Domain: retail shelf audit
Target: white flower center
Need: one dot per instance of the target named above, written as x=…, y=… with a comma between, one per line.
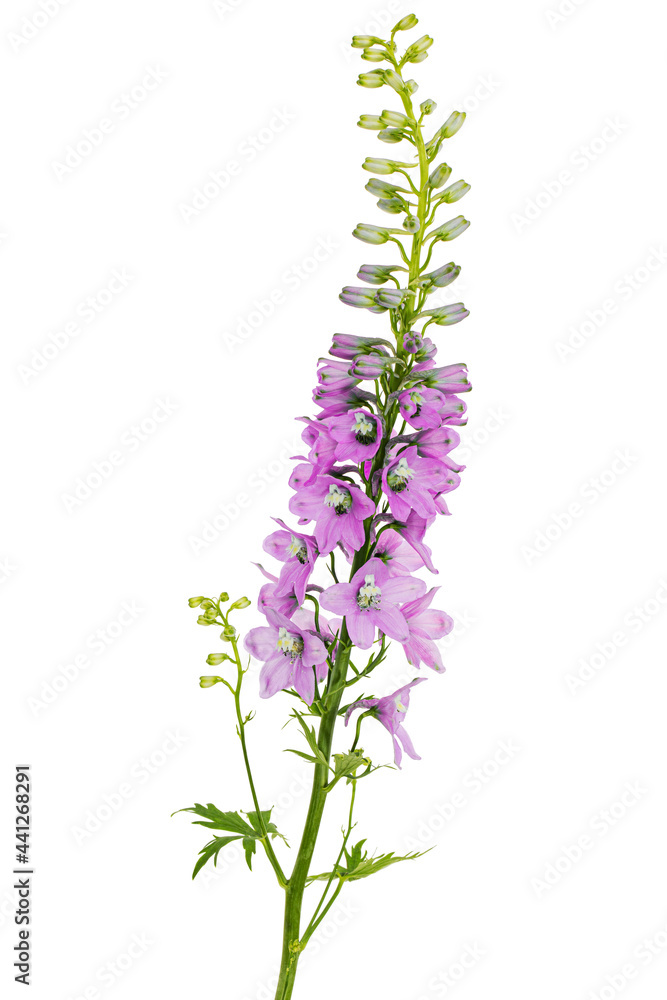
x=339, y=498
x=364, y=429
x=400, y=475
x=298, y=550
x=369, y=596
x=288, y=644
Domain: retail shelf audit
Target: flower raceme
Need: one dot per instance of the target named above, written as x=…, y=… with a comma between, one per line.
x=377, y=467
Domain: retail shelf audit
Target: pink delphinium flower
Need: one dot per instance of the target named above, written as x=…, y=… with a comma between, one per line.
x=390, y=711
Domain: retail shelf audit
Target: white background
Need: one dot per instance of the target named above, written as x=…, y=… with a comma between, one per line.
x=554, y=556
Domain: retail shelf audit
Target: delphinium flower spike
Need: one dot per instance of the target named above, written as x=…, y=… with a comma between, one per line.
x=375, y=474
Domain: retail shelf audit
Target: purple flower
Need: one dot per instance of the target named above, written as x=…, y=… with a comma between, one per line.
x=299, y=553
x=420, y=407
x=338, y=509
x=287, y=604
x=437, y=443
x=361, y=298
x=357, y=435
x=370, y=601
x=425, y=625
x=334, y=373
x=390, y=711
x=289, y=654
x=411, y=483
x=322, y=445
x=397, y=554
x=413, y=531
x=371, y=366
x=334, y=401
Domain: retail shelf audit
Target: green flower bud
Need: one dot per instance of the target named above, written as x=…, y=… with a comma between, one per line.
x=373, y=55
x=439, y=176
x=417, y=52
x=393, y=80
x=392, y=205
x=411, y=224
x=394, y=119
x=228, y=633
x=194, y=602
x=453, y=124
x=224, y=596
x=450, y=230
x=391, y=135
x=242, y=603
x=373, y=79
x=208, y=682
x=454, y=192
x=371, y=122
x=364, y=41
x=370, y=234
x=381, y=189
x=215, y=659
x=410, y=21
x=427, y=107
x=411, y=86
x=378, y=166
x=203, y=621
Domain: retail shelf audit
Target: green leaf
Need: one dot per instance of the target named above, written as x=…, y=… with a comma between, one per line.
x=211, y=850
x=306, y=756
x=347, y=763
x=359, y=865
x=311, y=738
x=270, y=827
x=250, y=846
x=218, y=820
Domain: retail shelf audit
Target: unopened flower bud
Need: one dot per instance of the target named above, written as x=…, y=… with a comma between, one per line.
x=224, y=596
x=411, y=224
x=215, y=659
x=370, y=234
x=395, y=118
x=391, y=135
x=374, y=55
x=417, y=52
x=373, y=79
x=453, y=124
x=364, y=41
x=208, y=682
x=447, y=315
x=454, y=192
x=450, y=230
x=391, y=205
x=202, y=620
x=228, y=633
x=439, y=176
x=194, y=602
x=407, y=22
x=391, y=298
x=360, y=298
x=444, y=275
x=393, y=80
x=371, y=122
x=239, y=605
x=379, y=166
x=411, y=86
x=376, y=274
x=427, y=107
